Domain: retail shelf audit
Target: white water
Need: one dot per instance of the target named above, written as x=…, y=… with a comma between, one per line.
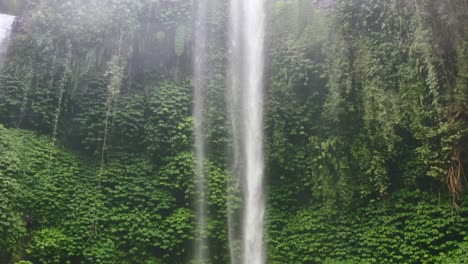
x=247, y=32
x=253, y=38
x=6, y=23
x=201, y=247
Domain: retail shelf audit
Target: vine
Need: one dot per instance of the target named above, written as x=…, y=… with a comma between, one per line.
x=455, y=178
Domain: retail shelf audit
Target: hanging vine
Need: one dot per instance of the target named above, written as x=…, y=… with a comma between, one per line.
x=62, y=86
x=455, y=178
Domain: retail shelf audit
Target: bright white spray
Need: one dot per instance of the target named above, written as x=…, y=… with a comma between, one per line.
x=247, y=33
x=6, y=24
x=201, y=247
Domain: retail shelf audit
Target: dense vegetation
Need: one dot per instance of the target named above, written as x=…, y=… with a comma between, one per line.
x=366, y=127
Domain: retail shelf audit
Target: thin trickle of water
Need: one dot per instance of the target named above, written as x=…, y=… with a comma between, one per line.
x=233, y=107
x=247, y=32
x=62, y=85
x=201, y=247
x=6, y=24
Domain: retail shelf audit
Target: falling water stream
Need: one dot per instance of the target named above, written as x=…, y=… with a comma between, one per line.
x=245, y=108
x=6, y=24
x=233, y=107
x=252, y=107
x=201, y=247
x=246, y=35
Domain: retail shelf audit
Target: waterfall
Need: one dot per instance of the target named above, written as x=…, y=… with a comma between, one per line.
x=245, y=106
x=233, y=107
x=246, y=40
x=6, y=23
x=201, y=247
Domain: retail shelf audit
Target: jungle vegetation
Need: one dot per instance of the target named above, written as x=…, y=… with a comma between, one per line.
x=366, y=132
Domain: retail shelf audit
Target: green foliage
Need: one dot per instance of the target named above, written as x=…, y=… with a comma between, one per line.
x=51, y=198
x=92, y=116
x=145, y=204
x=365, y=112
x=177, y=175
x=169, y=125
x=180, y=36
x=49, y=246
x=129, y=120
x=409, y=227
x=383, y=122
x=24, y=262
x=12, y=227
x=217, y=201
x=12, y=95
x=459, y=255
x=100, y=251
x=178, y=230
